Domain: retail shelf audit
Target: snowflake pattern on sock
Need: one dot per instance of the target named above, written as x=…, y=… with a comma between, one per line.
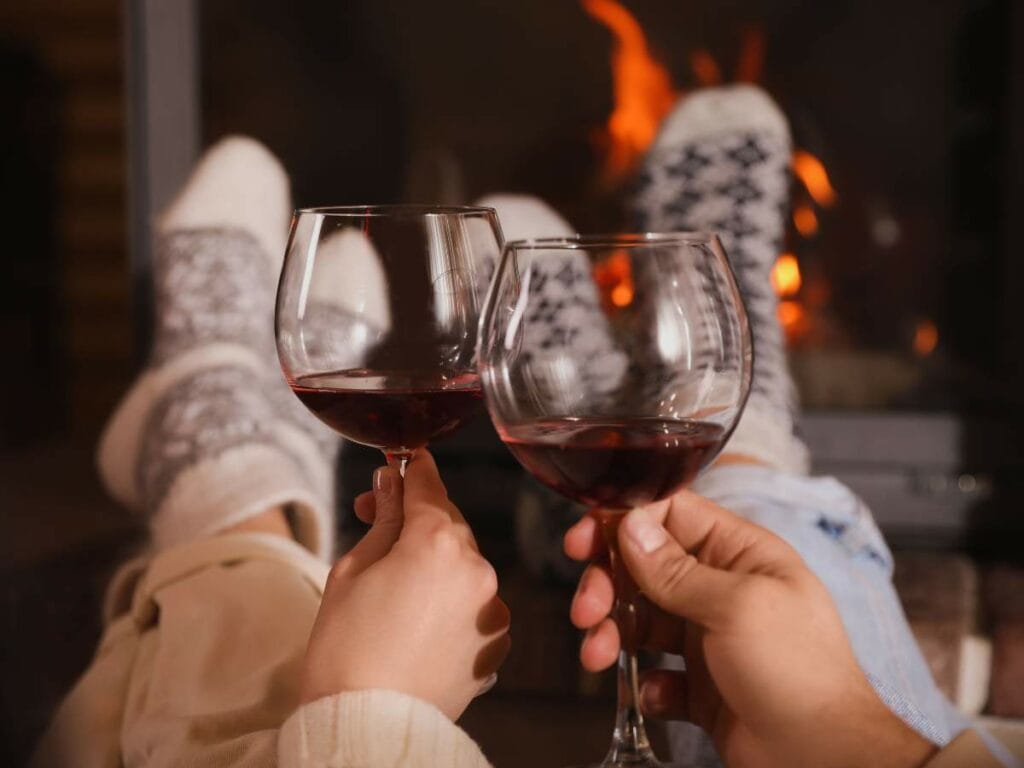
x=212, y=285
x=566, y=331
x=218, y=285
x=201, y=418
x=736, y=185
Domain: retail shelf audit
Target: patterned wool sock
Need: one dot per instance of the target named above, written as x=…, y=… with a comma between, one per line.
x=565, y=309
x=208, y=435
x=567, y=315
x=721, y=163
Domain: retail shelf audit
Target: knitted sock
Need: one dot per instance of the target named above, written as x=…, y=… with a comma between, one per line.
x=720, y=163
x=208, y=435
x=565, y=307
x=567, y=314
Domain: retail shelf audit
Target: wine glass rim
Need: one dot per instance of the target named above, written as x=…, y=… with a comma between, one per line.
x=395, y=209
x=627, y=240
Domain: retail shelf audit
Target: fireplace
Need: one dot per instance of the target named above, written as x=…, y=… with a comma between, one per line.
x=899, y=278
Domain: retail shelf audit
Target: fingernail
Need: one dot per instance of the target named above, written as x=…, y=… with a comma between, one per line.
x=643, y=532
x=382, y=481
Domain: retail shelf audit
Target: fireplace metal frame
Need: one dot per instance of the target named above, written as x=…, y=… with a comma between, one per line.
x=907, y=467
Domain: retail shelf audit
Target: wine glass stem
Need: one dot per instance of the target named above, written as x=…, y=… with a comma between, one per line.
x=401, y=458
x=629, y=741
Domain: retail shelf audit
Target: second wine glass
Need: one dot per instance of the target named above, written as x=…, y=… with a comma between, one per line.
x=377, y=315
x=614, y=369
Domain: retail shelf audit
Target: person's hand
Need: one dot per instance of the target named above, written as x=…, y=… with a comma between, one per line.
x=413, y=607
x=770, y=674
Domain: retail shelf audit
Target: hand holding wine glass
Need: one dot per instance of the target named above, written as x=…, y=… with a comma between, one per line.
x=770, y=673
x=615, y=368
x=413, y=607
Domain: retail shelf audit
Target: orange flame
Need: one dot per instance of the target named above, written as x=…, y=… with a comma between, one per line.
x=614, y=276
x=785, y=275
x=805, y=220
x=622, y=295
x=811, y=171
x=752, y=53
x=642, y=86
x=926, y=338
x=705, y=68
x=793, y=319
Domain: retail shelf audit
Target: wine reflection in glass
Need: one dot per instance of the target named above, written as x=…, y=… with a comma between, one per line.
x=377, y=315
x=614, y=369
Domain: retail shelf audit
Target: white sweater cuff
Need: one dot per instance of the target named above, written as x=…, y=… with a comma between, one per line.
x=374, y=729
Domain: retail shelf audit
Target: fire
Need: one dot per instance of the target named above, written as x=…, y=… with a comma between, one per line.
x=811, y=171
x=643, y=96
x=705, y=68
x=785, y=276
x=793, y=319
x=751, y=61
x=622, y=295
x=614, y=276
x=926, y=338
x=642, y=86
x=805, y=220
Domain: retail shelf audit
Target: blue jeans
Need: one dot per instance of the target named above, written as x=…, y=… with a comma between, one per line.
x=836, y=535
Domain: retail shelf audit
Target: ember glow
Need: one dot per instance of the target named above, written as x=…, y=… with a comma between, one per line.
x=812, y=174
x=926, y=338
x=642, y=88
x=751, y=61
x=805, y=220
x=785, y=276
x=614, y=278
x=705, y=68
x=793, y=319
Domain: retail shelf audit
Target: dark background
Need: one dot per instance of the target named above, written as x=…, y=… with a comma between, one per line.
x=915, y=106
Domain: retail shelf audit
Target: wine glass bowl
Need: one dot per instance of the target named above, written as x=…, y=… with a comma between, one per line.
x=614, y=369
x=615, y=392
x=377, y=315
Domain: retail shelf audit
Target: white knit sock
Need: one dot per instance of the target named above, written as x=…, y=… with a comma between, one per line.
x=565, y=307
x=569, y=314
x=208, y=436
x=720, y=163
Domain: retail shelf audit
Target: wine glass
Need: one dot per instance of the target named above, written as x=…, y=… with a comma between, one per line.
x=377, y=315
x=614, y=369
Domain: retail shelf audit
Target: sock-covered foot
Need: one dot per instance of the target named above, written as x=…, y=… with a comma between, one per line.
x=568, y=314
x=205, y=438
x=564, y=311
x=721, y=163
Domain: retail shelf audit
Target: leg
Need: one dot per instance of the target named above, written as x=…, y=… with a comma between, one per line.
x=574, y=320
x=721, y=163
x=203, y=668
x=209, y=437
x=199, y=661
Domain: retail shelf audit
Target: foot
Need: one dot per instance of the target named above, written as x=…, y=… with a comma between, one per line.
x=720, y=163
x=200, y=444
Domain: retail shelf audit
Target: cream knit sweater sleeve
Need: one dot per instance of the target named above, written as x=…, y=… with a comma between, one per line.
x=374, y=729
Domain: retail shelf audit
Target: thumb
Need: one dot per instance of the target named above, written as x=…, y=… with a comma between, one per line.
x=387, y=522
x=668, y=575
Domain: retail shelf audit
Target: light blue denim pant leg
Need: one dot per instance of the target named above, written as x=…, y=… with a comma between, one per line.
x=836, y=535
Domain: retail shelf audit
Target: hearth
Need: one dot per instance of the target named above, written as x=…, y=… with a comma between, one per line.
x=901, y=270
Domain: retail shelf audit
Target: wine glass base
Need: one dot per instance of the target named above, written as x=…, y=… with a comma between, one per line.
x=647, y=760
x=634, y=763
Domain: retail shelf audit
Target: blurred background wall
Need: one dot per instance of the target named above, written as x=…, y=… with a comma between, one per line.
x=64, y=216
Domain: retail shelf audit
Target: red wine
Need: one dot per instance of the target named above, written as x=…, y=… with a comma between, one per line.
x=394, y=411
x=615, y=463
